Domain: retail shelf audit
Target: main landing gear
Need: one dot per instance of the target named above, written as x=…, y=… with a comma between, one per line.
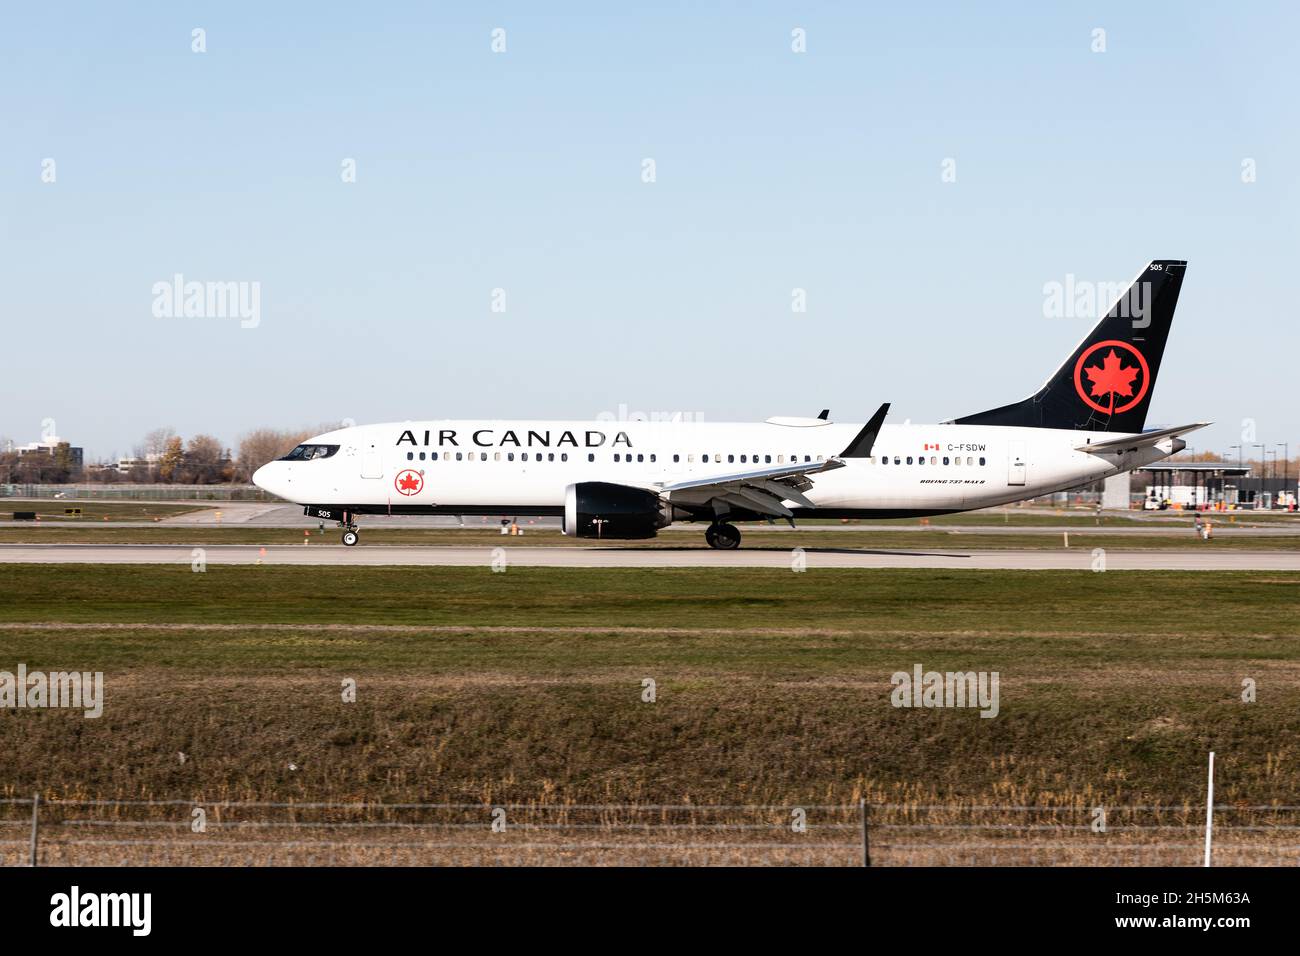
x=723, y=536
x=350, y=537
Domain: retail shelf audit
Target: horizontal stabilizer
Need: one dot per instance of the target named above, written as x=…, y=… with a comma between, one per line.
x=1144, y=440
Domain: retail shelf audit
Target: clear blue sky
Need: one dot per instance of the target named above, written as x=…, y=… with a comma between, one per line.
x=522, y=171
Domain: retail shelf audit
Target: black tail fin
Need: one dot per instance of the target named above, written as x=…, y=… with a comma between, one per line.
x=1106, y=384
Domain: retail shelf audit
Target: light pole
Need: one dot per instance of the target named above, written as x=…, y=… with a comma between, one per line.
x=1263, y=465
x=1286, y=461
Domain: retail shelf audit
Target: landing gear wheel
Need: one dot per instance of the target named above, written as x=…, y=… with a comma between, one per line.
x=724, y=537
x=349, y=538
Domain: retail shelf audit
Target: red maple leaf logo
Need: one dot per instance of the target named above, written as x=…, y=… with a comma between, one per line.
x=1112, y=377
x=408, y=482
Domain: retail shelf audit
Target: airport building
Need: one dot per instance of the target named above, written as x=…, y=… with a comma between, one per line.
x=51, y=448
x=1216, y=485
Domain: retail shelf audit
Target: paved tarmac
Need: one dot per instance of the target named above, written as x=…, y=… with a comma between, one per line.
x=335, y=555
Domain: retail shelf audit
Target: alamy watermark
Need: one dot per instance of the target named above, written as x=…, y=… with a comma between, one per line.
x=37, y=690
x=181, y=299
x=1084, y=299
x=922, y=688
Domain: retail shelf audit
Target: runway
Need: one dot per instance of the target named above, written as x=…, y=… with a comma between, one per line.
x=507, y=556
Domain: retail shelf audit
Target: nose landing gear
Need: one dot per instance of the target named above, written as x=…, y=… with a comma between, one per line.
x=349, y=530
x=722, y=536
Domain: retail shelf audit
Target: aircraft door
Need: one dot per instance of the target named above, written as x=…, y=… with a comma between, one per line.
x=1016, y=464
x=372, y=465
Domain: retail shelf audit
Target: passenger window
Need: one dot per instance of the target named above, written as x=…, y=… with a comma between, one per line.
x=652, y=456
x=510, y=456
x=742, y=459
x=731, y=458
x=896, y=460
x=704, y=459
x=591, y=456
x=819, y=458
x=970, y=461
x=691, y=458
x=446, y=456
x=564, y=456
x=933, y=460
x=410, y=456
x=909, y=459
x=921, y=460
x=981, y=461
x=496, y=456
x=458, y=456
x=616, y=458
x=640, y=457
x=767, y=459
x=780, y=459
x=945, y=459
x=884, y=460
x=550, y=456
x=677, y=458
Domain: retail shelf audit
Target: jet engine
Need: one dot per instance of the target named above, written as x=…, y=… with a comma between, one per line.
x=599, y=509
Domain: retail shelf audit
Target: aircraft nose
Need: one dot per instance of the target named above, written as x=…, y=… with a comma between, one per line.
x=270, y=477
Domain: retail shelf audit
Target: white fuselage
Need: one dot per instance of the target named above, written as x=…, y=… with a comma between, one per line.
x=523, y=467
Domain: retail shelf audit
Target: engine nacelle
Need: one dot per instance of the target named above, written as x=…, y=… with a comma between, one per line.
x=599, y=509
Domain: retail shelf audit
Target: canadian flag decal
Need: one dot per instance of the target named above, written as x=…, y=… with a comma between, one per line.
x=934, y=447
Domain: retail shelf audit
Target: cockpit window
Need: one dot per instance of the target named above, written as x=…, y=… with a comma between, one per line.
x=308, y=452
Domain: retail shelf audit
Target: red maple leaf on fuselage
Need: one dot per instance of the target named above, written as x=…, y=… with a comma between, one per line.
x=1112, y=377
x=408, y=483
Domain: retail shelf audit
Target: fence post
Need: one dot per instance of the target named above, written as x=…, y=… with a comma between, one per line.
x=866, y=844
x=1209, y=810
x=36, y=804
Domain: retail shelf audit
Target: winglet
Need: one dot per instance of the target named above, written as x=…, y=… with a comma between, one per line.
x=860, y=447
x=826, y=414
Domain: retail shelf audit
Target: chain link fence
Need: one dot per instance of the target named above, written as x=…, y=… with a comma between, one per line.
x=133, y=492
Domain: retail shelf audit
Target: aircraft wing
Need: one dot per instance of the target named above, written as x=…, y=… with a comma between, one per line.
x=1144, y=440
x=763, y=489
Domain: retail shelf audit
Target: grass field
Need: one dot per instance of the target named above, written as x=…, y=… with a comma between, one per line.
x=772, y=689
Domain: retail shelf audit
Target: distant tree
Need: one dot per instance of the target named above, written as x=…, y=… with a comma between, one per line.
x=203, y=461
x=263, y=445
x=64, y=467
x=151, y=450
x=157, y=441
x=172, y=460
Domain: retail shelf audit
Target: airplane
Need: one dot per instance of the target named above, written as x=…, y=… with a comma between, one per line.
x=628, y=480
